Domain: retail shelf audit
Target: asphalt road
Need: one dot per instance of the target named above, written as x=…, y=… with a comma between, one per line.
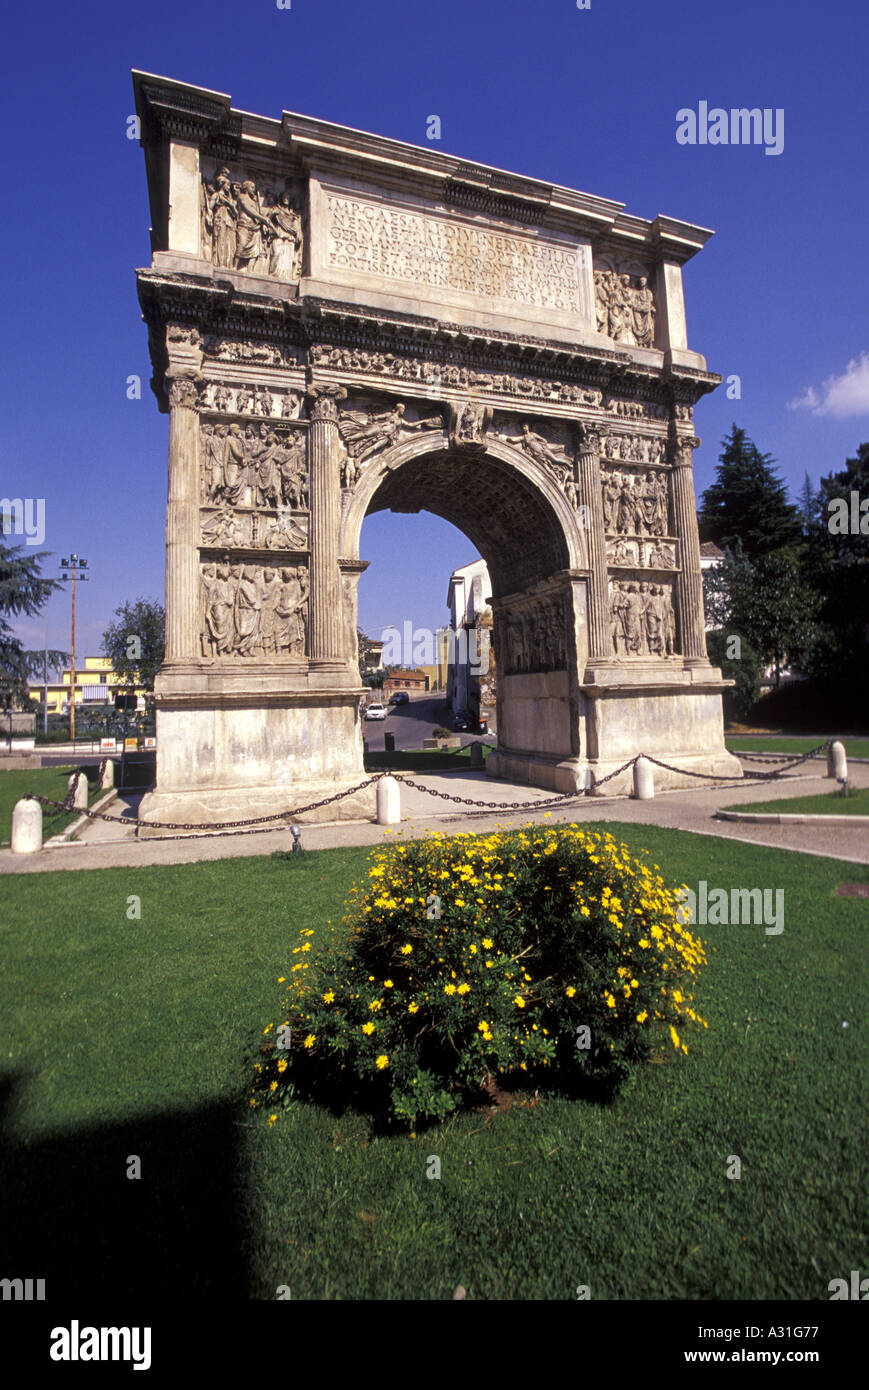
x=413, y=722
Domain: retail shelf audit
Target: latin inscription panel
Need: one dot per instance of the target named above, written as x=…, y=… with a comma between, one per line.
x=453, y=256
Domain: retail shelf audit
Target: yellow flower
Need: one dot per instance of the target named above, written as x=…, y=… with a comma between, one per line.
x=449, y=989
x=329, y=997
x=675, y=1037
x=387, y=984
x=406, y=949
x=272, y=1119
x=412, y=1008
x=281, y=979
x=463, y=989
x=282, y=1064
x=382, y=1061
x=375, y=1005
x=487, y=943
x=368, y=1027
x=641, y=1017
x=611, y=1003
x=310, y=1040
x=570, y=991
x=519, y=1002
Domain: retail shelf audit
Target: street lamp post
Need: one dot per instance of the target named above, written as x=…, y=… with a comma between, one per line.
x=72, y=568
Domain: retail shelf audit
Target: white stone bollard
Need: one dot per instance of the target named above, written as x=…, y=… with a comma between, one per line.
x=837, y=762
x=388, y=801
x=78, y=785
x=26, y=827
x=107, y=775
x=644, y=780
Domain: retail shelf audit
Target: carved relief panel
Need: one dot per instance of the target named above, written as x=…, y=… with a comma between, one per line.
x=368, y=429
x=624, y=303
x=532, y=636
x=259, y=466
x=248, y=224
x=642, y=618
x=635, y=503
x=253, y=611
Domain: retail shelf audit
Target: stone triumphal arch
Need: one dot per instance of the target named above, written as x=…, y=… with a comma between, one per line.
x=339, y=324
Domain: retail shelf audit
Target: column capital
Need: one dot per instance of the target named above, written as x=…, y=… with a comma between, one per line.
x=588, y=438
x=324, y=401
x=183, y=391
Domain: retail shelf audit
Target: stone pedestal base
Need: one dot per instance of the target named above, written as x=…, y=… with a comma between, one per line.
x=202, y=809
x=234, y=744
x=666, y=710
x=560, y=775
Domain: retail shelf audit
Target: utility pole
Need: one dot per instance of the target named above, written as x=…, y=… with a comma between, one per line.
x=74, y=565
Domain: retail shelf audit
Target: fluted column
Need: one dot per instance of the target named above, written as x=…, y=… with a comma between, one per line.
x=599, y=639
x=689, y=581
x=182, y=523
x=326, y=597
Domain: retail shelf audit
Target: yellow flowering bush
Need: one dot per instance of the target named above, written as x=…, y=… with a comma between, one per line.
x=525, y=956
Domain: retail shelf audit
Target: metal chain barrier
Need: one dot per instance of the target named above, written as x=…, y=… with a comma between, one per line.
x=258, y=825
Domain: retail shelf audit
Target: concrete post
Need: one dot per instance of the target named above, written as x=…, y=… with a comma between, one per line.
x=477, y=759
x=837, y=762
x=388, y=801
x=644, y=780
x=26, y=826
x=107, y=775
x=78, y=785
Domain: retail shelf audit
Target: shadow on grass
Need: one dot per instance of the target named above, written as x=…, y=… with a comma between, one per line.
x=71, y=1215
x=337, y=1090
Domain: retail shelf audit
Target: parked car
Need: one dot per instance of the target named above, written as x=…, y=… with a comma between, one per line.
x=400, y=697
x=462, y=724
x=376, y=711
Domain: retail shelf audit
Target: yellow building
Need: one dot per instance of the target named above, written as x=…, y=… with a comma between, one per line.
x=96, y=684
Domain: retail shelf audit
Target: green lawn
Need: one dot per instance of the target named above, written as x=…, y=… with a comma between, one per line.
x=825, y=804
x=739, y=743
x=44, y=781
x=125, y=1037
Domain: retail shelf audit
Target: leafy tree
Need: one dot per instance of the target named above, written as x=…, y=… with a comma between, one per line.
x=808, y=503
x=766, y=602
x=739, y=663
x=23, y=592
x=747, y=502
x=838, y=567
x=136, y=642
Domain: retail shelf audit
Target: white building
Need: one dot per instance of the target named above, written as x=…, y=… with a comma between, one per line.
x=467, y=600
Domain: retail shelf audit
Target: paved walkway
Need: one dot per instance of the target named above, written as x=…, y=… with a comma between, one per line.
x=108, y=845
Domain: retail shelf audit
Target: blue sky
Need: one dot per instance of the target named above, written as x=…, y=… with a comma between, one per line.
x=586, y=98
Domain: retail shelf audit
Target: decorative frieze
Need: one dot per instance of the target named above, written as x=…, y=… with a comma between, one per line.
x=249, y=399
x=639, y=554
x=634, y=448
x=227, y=529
